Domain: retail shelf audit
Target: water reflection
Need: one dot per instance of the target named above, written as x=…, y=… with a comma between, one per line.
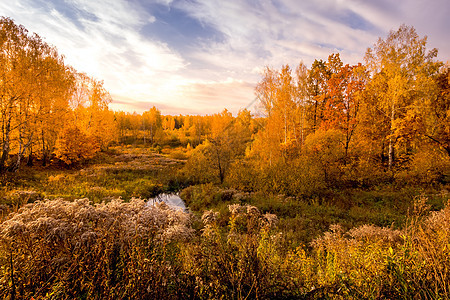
x=173, y=200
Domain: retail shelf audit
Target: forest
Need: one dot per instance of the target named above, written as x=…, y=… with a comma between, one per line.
x=337, y=189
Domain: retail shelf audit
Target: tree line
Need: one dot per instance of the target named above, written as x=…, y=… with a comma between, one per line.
x=337, y=124
x=331, y=121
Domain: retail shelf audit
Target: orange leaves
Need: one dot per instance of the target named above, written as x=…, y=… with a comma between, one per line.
x=34, y=89
x=342, y=104
x=74, y=146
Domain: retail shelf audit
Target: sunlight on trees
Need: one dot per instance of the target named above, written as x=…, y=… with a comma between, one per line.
x=34, y=89
x=332, y=134
x=335, y=116
x=402, y=72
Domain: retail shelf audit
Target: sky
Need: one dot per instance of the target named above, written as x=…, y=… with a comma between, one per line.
x=201, y=56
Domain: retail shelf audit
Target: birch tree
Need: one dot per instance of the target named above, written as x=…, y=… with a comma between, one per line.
x=400, y=67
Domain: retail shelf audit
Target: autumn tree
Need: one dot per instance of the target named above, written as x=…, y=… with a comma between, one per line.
x=341, y=109
x=401, y=70
x=317, y=85
x=301, y=93
x=91, y=116
x=34, y=88
x=278, y=94
x=151, y=124
x=123, y=124
x=323, y=147
x=74, y=146
x=168, y=123
x=225, y=144
x=434, y=120
x=197, y=128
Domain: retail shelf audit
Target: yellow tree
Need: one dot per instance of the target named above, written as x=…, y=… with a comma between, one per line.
x=151, y=124
x=434, y=120
x=401, y=70
x=301, y=91
x=317, y=85
x=52, y=106
x=266, y=90
x=32, y=78
x=197, y=128
x=168, y=123
x=223, y=143
x=278, y=95
x=74, y=146
x=90, y=116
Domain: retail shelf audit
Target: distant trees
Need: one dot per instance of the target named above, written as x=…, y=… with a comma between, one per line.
x=225, y=144
x=348, y=119
x=151, y=124
x=334, y=123
x=146, y=128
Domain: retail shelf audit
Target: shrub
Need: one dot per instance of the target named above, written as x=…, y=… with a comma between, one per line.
x=241, y=262
x=74, y=146
x=201, y=197
x=427, y=167
x=178, y=154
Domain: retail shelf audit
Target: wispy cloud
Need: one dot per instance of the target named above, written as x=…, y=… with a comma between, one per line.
x=203, y=55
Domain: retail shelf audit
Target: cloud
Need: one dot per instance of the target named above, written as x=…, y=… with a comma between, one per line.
x=278, y=32
x=131, y=105
x=213, y=96
x=200, y=56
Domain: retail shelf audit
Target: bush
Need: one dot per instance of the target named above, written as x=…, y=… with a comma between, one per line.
x=429, y=166
x=74, y=146
x=178, y=154
x=201, y=197
x=241, y=262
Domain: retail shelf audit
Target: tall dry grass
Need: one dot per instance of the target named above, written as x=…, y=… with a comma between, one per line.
x=59, y=249
x=118, y=250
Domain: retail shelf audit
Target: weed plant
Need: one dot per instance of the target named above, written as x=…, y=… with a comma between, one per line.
x=117, y=250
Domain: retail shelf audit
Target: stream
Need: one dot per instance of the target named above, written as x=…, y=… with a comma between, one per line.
x=173, y=200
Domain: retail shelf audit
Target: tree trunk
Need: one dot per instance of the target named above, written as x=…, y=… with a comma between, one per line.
x=16, y=166
x=30, y=158
x=391, y=142
x=302, y=139
x=219, y=165
x=44, y=151
x=315, y=116
x=5, y=146
x=285, y=126
x=22, y=150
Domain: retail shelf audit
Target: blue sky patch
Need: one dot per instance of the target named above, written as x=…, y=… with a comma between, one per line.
x=68, y=10
x=176, y=28
x=355, y=21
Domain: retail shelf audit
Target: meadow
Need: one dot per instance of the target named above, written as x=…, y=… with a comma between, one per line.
x=87, y=233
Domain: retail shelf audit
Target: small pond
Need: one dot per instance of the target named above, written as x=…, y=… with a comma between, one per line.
x=173, y=200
